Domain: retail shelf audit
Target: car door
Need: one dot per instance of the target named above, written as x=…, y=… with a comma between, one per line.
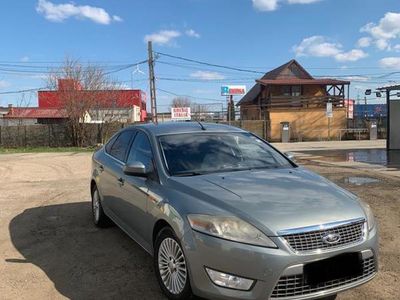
x=135, y=189
x=112, y=172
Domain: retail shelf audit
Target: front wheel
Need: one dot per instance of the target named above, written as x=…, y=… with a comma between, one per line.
x=171, y=266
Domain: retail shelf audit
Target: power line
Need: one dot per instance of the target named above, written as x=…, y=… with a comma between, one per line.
x=21, y=91
x=209, y=64
x=188, y=96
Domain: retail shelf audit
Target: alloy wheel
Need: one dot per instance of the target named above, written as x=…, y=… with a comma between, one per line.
x=172, y=266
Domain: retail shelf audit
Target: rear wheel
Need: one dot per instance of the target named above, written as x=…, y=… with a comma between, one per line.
x=99, y=217
x=171, y=266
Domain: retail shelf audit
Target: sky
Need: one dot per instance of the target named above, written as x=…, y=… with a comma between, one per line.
x=357, y=40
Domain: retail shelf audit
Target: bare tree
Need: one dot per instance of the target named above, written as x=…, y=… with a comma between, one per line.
x=181, y=102
x=84, y=90
x=199, y=112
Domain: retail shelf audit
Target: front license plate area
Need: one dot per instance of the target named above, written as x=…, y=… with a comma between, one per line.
x=340, y=266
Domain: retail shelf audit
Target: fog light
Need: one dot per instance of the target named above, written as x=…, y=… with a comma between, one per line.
x=229, y=280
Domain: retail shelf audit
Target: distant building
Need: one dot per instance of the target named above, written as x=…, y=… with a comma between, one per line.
x=111, y=105
x=290, y=94
x=3, y=112
x=33, y=115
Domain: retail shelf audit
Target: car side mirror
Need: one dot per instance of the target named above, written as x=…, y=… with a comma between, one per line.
x=289, y=155
x=137, y=168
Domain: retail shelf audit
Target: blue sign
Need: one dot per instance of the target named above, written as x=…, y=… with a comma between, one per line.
x=224, y=90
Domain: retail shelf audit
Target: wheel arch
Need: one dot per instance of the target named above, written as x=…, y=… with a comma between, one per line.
x=158, y=226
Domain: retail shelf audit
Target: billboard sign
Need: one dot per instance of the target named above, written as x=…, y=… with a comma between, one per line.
x=180, y=113
x=233, y=90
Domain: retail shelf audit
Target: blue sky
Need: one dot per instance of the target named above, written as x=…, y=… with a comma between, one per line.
x=353, y=39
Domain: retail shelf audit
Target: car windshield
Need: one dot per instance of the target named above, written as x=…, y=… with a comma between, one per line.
x=196, y=154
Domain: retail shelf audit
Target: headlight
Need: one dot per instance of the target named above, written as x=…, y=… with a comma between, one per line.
x=369, y=214
x=230, y=228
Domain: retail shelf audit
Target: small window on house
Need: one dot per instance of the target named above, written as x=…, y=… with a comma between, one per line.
x=286, y=91
x=296, y=90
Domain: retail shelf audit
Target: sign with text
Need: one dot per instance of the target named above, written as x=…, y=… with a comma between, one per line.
x=233, y=90
x=329, y=110
x=180, y=113
x=349, y=104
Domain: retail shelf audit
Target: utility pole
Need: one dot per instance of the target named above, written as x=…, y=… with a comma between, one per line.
x=152, y=80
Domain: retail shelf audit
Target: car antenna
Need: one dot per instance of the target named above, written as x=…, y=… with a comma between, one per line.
x=201, y=125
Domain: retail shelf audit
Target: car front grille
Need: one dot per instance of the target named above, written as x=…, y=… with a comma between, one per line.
x=294, y=286
x=350, y=233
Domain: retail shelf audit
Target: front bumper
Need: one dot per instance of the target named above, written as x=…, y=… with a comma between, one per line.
x=266, y=266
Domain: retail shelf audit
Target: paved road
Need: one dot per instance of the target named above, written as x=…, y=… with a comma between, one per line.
x=50, y=250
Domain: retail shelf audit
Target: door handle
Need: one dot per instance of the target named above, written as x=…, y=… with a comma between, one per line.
x=121, y=181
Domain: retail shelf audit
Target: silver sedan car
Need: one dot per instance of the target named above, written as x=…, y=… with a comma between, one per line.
x=227, y=216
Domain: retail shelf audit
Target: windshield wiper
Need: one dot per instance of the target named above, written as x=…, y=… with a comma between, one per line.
x=187, y=174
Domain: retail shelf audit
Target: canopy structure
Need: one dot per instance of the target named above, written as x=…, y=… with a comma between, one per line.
x=393, y=116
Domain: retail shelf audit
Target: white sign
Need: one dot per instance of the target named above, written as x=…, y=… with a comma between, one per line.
x=329, y=110
x=350, y=108
x=180, y=113
x=233, y=90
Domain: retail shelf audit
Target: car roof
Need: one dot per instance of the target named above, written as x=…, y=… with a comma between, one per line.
x=185, y=127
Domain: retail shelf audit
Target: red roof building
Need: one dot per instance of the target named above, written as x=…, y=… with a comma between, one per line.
x=52, y=109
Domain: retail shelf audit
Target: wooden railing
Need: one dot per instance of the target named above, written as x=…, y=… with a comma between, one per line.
x=293, y=102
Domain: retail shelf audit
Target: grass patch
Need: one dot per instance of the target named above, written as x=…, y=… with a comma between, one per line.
x=44, y=149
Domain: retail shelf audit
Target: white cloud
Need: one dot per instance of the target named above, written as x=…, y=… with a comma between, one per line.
x=4, y=84
x=356, y=78
x=192, y=33
x=60, y=12
x=24, y=59
x=117, y=18
x=207, y=75
x=271, y=5
x=317, y=46
x=320, y=46
x=265, y=5
x=390, y=62
x=387, y=29
x=396, y=48
x=352, y=55
x=163, y=37
x=382, y=44
x=364, y=42
x=302, y=1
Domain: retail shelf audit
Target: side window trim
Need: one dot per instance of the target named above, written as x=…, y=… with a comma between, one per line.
x=133, y=132
x=134, y=135
x=111, y=142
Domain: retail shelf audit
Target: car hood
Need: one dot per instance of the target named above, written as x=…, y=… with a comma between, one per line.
x=274, y=199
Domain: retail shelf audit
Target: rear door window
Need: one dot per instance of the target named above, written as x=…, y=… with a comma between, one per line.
x=120, y=147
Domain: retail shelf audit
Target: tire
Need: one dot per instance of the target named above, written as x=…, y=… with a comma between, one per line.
x=171, y=266
x=100, y=219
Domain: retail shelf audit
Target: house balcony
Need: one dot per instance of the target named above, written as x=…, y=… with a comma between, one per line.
x=296, y=102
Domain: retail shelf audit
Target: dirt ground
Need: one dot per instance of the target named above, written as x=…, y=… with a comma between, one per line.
x=50, y=249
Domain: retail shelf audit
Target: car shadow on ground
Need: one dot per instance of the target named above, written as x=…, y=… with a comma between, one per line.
x=82, y=261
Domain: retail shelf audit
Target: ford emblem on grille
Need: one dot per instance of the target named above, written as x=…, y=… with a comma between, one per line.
x=331, y=238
